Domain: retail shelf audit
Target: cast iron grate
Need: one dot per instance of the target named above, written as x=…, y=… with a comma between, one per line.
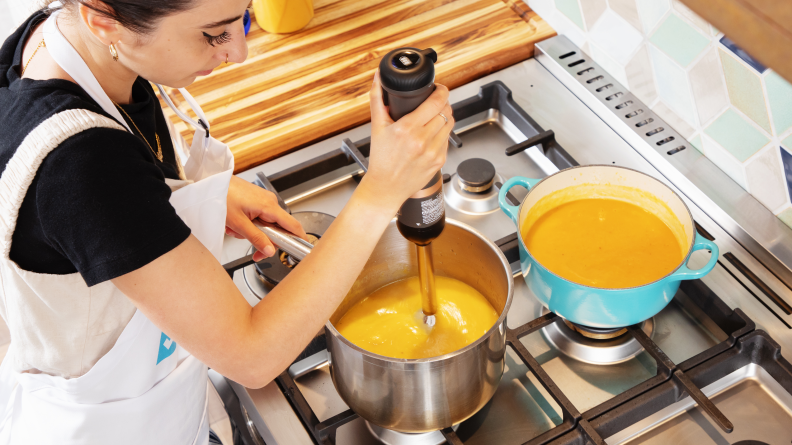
x=671, y=383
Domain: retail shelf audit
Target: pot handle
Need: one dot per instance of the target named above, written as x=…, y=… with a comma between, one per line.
x=511, y=210
x=684, y=273
x=309, y=364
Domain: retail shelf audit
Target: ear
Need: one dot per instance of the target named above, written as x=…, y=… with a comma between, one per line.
x=102, y=27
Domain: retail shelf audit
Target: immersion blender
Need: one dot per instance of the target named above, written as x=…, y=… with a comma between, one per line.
x=407, y=76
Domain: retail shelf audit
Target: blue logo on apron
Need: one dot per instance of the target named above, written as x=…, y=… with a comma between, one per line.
x=166, y=348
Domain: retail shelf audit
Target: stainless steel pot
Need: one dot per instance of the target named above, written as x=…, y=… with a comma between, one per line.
x=433, y=393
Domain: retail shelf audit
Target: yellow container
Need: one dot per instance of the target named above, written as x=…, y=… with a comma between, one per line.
x=283, y=16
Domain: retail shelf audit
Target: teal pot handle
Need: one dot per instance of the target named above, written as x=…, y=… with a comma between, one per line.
x=514, y=211
x=684, y=273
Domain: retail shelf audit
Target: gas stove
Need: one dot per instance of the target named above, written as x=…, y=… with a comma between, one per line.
x=709, y=368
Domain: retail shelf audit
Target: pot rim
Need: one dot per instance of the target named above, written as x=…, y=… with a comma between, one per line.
x=614, y=289
x=497, y=325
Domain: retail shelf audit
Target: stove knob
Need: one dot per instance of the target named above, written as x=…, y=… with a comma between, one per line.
x=476, y=175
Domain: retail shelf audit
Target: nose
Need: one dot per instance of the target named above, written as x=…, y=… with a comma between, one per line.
x=236, y=49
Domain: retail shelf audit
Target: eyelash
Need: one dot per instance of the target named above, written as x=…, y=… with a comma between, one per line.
x=225, y=37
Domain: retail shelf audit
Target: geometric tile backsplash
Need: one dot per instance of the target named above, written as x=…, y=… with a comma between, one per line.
x=729, y=106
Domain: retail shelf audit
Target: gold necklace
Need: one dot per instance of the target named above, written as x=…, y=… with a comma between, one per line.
x=40, y=45
x=157, y=153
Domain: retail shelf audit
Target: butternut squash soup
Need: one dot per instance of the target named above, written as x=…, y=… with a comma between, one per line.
x=603, y=242
x=389, y=322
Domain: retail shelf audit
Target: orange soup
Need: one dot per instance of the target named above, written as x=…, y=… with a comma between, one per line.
x=389, y=322
x=605, y=243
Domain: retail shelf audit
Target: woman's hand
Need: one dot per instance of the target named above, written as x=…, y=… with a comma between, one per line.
x=406, y=154
x=247, y=202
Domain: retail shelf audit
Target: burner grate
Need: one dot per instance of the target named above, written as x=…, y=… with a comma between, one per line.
x=623, y=409
x=743, y=344
x=672, y=382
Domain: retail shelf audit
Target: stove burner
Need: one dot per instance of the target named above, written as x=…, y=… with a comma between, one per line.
x=472, y=191
x=390, y=437
x=595, y=333
x=476, y=175
x=595, y=345
x=268, y=272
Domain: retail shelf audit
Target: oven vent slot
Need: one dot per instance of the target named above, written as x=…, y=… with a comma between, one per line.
x=655, y=131
x=604, y=87
x=633, y=114
x=580, y=73
x=623, y=105
x=674, y=151
x=665, y=141
x=576, y=63
x=564, y=56
x=614, y=96
x=594, y=79
x=644, y=122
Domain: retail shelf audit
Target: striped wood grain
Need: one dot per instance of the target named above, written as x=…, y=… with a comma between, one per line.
x=295, y=89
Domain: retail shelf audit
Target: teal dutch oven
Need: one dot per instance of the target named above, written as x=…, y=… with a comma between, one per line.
x=601, y=307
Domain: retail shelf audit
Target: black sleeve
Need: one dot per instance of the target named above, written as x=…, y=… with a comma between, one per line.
x=105, y=206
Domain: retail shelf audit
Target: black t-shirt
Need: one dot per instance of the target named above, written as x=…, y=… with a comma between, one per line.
x=98, y=204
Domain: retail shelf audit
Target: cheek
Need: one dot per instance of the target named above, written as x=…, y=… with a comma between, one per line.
x=173, y=52
x=178, y=63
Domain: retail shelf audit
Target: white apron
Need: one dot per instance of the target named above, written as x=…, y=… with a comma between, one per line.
x=146, y=389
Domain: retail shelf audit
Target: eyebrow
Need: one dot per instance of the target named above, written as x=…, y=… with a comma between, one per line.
x=222, y=22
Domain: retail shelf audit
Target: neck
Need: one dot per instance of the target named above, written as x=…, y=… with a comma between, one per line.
x=115, y=79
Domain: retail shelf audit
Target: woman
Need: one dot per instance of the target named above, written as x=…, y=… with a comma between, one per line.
x=112, y=287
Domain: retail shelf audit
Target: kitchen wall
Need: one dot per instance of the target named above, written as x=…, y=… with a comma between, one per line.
x=14, y=12
x=6, y=21
x=731, y=108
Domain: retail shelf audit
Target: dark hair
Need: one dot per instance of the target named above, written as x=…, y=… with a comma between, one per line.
x=139, y=16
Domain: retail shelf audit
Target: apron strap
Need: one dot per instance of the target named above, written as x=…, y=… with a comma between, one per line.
x=64, y=54
x=203, y=122
x=22, y=168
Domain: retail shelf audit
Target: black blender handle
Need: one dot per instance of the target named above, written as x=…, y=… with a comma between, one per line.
x=429, y=53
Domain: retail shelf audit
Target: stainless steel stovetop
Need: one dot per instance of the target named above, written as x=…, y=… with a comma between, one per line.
x=752, y=275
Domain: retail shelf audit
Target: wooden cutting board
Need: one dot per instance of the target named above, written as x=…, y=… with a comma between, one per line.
x=295, y=89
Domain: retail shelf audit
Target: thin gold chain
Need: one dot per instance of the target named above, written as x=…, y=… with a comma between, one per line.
x=40, y=45
x=157, y=153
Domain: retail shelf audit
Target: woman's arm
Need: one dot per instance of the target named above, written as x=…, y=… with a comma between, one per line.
x=190, y=296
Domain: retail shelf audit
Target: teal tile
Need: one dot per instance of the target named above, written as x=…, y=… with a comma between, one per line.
x=786, y=217
x=745, y=90
x=679, y=40
x=571, y=9
x=651, y=12
x=673, y=87
x=696, y=143
x=779, y=94
x=736, y=135
x=787, y=142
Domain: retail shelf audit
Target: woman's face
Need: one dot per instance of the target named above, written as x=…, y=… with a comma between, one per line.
x=188, y=44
